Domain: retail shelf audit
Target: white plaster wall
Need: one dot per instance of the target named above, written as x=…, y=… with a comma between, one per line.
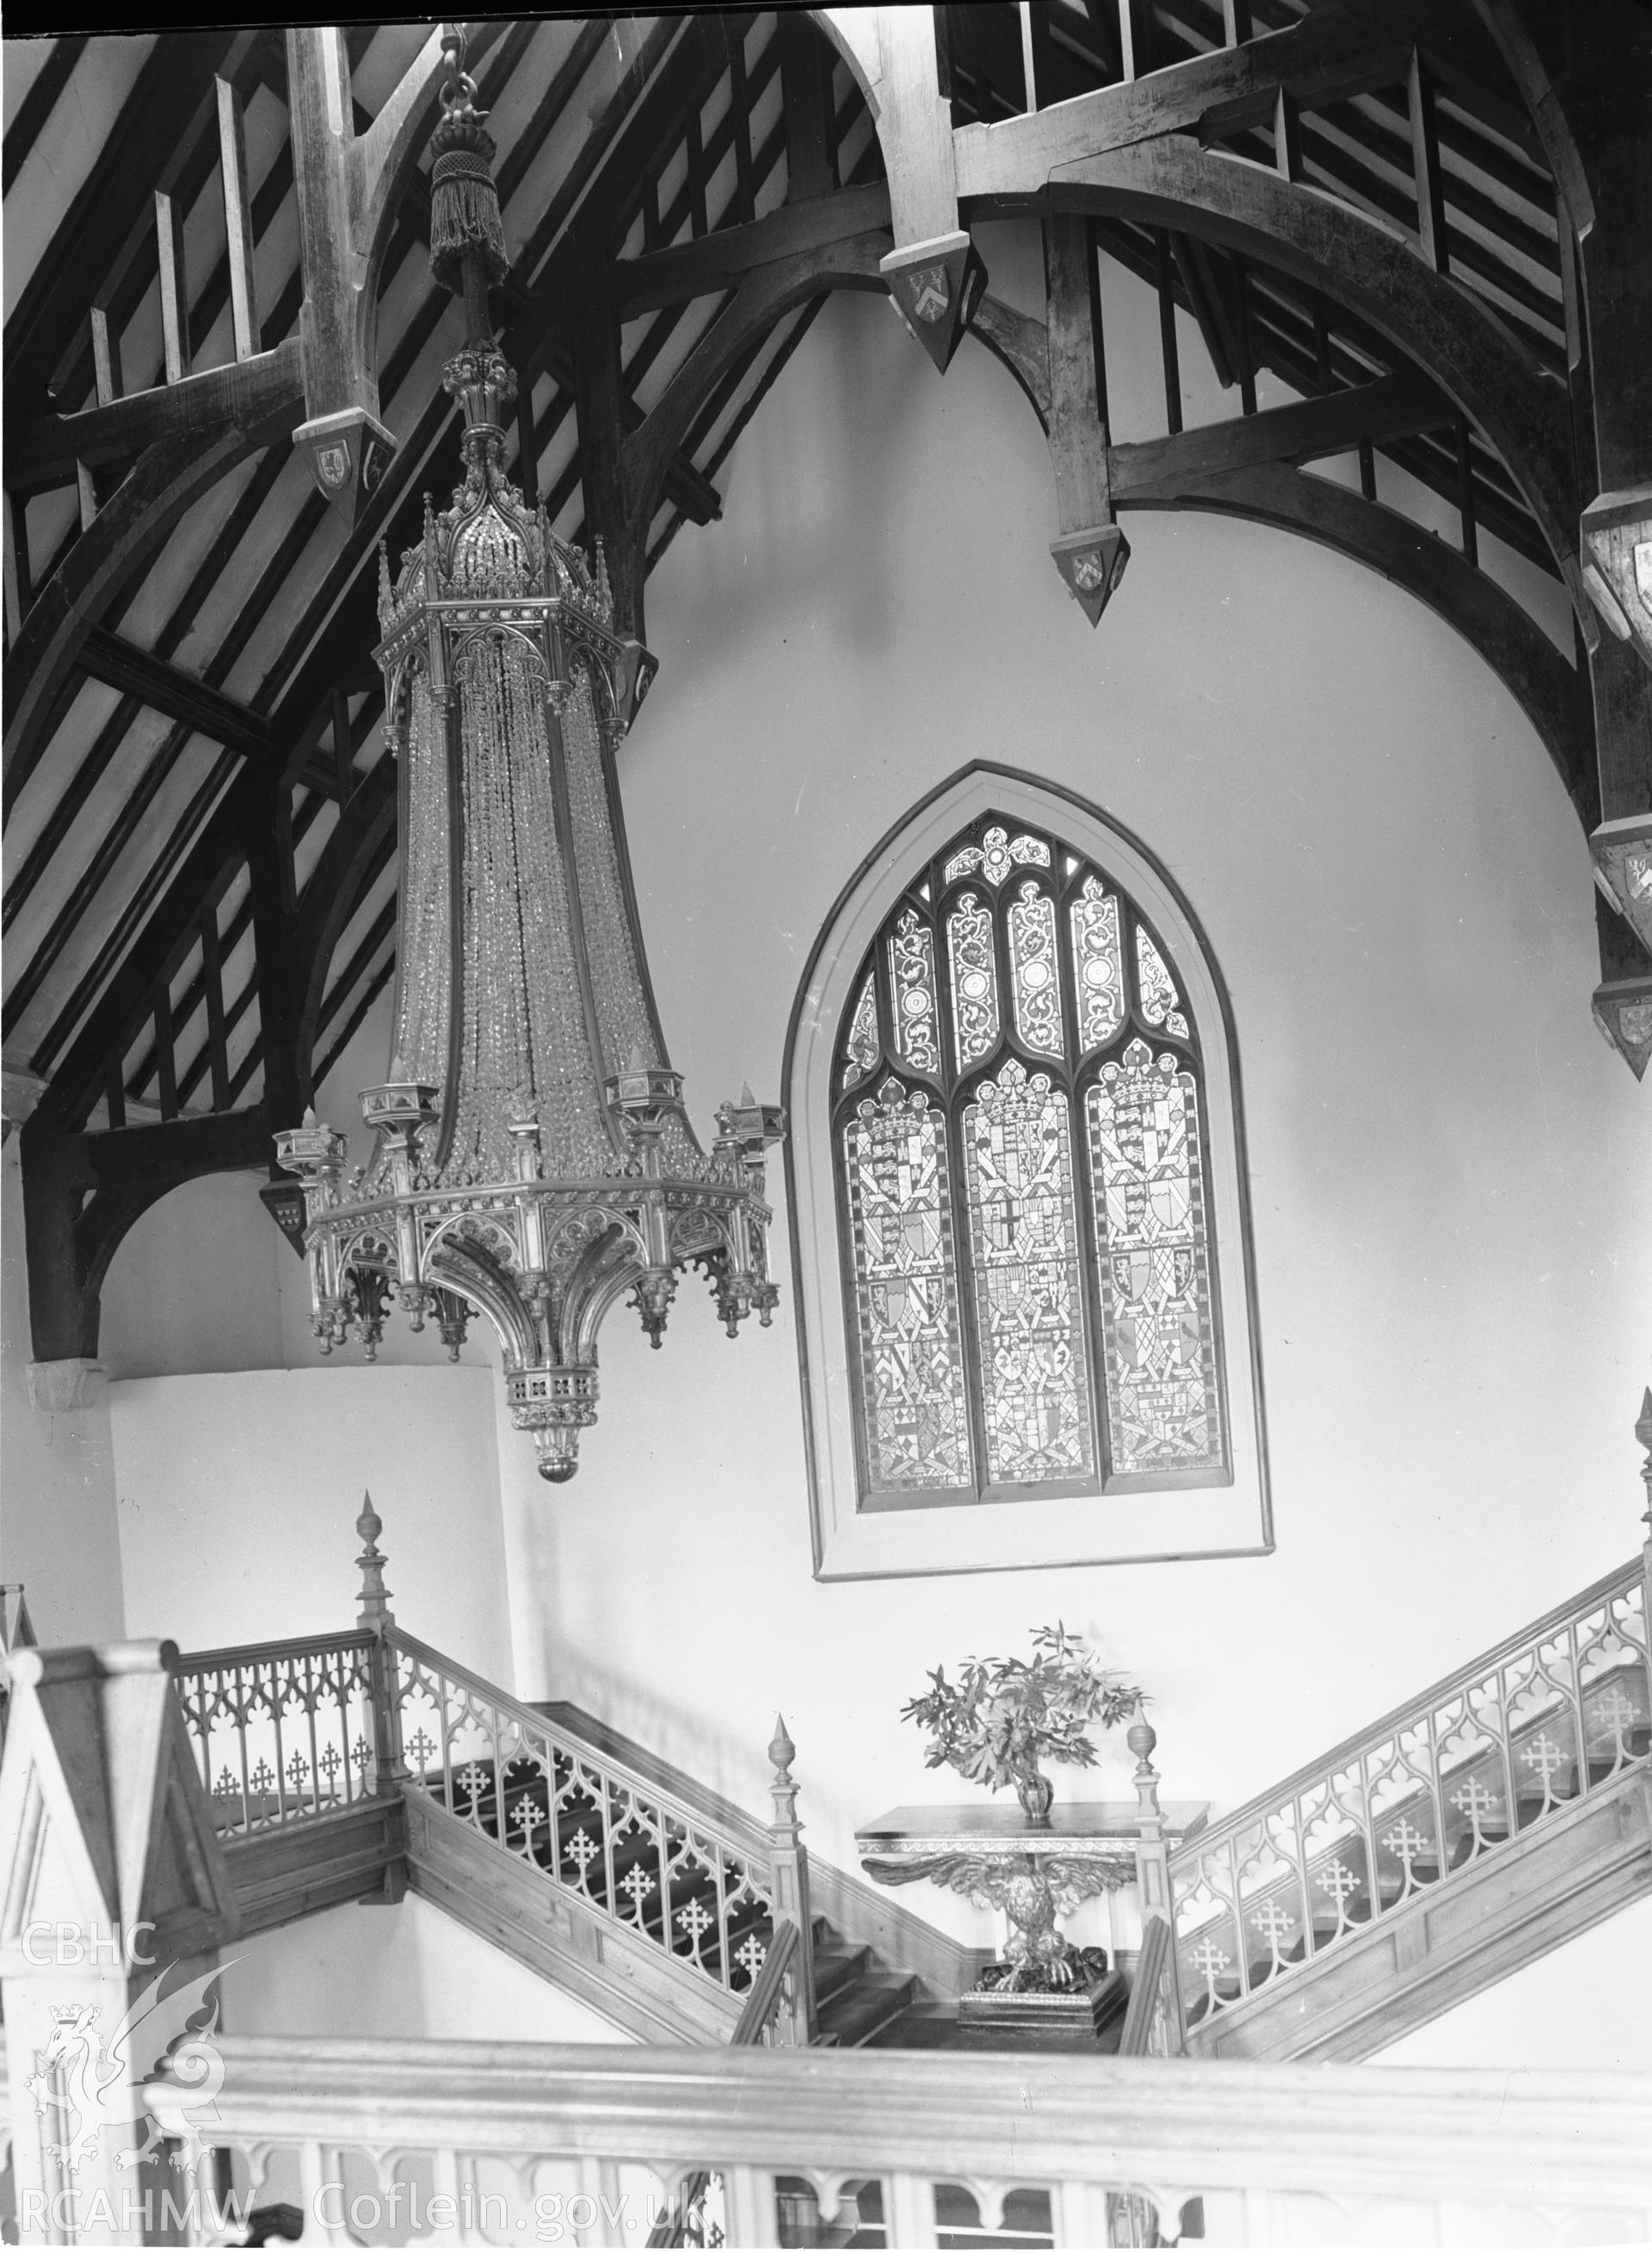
x=238, y=1496
x=57, y=1472
x=406, y=1973
x=1450, y=1169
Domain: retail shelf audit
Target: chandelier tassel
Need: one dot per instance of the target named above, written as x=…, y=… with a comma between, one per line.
x=467, y=235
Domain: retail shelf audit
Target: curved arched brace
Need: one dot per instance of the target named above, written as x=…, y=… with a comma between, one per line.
x=1491, y=621
x=1372, y=270
x=765, y=296
x=853, y=32
x=221, y=1144
x=167, y=479
x=331, y=895
x=1524, y=65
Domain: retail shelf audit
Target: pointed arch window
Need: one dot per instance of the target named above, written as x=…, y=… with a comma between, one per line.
x=1037, y=1246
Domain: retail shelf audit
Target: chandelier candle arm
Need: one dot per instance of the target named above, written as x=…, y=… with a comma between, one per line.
x=532, y=1157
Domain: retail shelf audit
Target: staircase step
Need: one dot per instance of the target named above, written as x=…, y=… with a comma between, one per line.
x=837, y=1967
x=855, y=2015
x=924, y=2025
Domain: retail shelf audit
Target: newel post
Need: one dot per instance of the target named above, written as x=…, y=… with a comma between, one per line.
x=373, y=1613
x=789, y=1892
x=1153, y=1856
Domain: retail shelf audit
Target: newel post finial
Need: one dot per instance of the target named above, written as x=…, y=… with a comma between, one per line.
x=374, y=1610
x=1152, y=1857
x=789, y=1890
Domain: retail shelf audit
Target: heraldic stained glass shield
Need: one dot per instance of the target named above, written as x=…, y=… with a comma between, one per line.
x=1022, y=1191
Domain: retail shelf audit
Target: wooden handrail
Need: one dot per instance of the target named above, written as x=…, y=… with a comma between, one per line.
x=1149, y=1983
x=256, y=1654
x=740, y=1830
x=1205, y=2125
x=1615, y=1584
x=762, y=1997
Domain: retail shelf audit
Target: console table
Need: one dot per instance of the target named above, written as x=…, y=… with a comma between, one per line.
x=993, y=1854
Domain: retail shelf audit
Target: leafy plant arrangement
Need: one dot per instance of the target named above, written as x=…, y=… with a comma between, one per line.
x=1003, y=1716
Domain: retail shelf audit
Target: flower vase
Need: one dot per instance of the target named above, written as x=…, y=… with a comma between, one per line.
x=1036, y=1792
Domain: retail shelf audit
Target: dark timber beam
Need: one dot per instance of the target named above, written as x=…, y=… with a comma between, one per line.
x=163, y=688
x=165, y=480
x=1432, y=319
x=1492, y=623
x=1309, y=430
x=1244, y=467
x=717, y=261
x=173, y=106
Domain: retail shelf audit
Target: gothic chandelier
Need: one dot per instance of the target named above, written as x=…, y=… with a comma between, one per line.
x=533, y=1158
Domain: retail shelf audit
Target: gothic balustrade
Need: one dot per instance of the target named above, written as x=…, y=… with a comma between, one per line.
x=606, y=1838
x=282, y=1732
x=1466, y=1770
x=378, y=2142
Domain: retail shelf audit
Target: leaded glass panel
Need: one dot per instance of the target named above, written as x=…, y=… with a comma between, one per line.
x=1097, y=964
x=1061, y=1211
x=1024, y=1252
x=860, y=1048
x=1032, y=961
x=1160, y=1003
x=996, y=854
x=912, y=982
x=974, y=968
x=1158, y=1336
x=913, y=1391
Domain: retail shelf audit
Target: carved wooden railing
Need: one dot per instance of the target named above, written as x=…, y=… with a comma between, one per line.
x=525, y=2145
x=282, y=1732
x=1417, y=1803
x=614, y=1840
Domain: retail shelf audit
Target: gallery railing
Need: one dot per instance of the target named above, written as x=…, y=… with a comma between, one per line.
x=1507, y=1744
x=515, y=2144
x=282, y=1732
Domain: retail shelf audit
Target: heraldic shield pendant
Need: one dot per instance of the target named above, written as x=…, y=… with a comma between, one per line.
x=533, y=1155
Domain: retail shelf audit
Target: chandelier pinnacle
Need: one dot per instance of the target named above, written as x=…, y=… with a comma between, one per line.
x=533, y=1155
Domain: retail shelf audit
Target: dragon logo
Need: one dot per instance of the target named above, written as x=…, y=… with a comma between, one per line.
x=93, y=2083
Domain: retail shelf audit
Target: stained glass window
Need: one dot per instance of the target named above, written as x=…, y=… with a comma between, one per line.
x=1023, y=1239
x=912, y=976
x=1160, y=1356
x=911, y=1362
x=1032, y=955
x=1097, y=966
x=974, y=978
x=860, y=1048
x=1023, y=1188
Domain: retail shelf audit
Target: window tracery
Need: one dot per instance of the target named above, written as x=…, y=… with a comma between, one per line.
x=1026, y=1229
x=1026, y=1221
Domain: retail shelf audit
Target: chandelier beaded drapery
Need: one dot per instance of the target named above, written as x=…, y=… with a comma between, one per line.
x=533, y=1158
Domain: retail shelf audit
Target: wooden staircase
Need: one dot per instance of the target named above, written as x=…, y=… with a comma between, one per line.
x=1505, y=1809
